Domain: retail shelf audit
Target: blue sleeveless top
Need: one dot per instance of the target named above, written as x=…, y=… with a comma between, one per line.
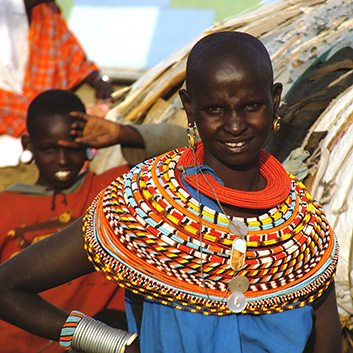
x=169, y=330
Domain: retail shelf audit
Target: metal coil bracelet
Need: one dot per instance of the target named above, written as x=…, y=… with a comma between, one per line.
x=92, y=336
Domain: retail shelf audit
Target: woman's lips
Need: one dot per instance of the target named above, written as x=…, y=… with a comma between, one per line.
x=235, y=144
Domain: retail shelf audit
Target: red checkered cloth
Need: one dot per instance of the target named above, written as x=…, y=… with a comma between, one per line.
x=56, y=60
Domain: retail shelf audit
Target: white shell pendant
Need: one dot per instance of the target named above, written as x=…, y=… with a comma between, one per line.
x=238, y=228
x=238, y=284
x=236, y=302
x=237, y=256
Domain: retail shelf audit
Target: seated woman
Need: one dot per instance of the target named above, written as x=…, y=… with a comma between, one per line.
x=219, y=248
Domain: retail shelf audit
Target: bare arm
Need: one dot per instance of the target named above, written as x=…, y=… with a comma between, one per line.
x=45, y=264
x=96, y=132
x=328, y=338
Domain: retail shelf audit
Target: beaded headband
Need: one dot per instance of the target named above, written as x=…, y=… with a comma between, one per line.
x=142, y=232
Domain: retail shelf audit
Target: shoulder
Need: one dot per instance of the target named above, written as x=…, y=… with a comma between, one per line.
x=21, y=189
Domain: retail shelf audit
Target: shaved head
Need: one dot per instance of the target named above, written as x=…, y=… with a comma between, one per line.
x=52, y=102
x=231, y=98
x=240, y=48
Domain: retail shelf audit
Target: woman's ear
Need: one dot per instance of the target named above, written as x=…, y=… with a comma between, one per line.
x=26, y=142
x=185, y=99
x=276, y=94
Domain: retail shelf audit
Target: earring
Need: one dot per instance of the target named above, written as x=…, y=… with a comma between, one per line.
x=89, y=154
x=276, y=124
x=26, y=157
x=192, y=132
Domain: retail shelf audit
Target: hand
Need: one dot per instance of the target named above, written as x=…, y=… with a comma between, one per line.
x=91, y=131
x=134, y=347
x=103, y=89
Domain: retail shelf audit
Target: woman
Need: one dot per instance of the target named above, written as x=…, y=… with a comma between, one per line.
x=228, y=251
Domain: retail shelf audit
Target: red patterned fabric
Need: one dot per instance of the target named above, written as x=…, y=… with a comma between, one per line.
x=56, y=60
x=20, y=228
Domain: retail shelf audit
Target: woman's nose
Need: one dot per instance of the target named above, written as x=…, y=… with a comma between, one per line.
x=234, y=122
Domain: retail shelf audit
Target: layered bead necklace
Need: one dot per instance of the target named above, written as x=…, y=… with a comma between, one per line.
x=143, y=232
x=277, y=182
x=276, y=191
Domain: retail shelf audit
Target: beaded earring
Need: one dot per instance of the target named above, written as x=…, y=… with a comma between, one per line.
x=89, y=154
x=26, y=157
x=276, y=124
x=192, y=132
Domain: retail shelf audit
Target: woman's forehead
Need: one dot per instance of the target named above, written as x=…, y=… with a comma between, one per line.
x=228, y=70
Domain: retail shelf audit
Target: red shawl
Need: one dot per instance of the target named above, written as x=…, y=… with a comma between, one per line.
x=56, y=60
x=29, y=218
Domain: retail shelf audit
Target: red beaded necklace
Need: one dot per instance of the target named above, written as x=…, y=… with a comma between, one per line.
x=277, y=180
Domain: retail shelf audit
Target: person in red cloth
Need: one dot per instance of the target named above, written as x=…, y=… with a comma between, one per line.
x=55, y=60
x=60, y=195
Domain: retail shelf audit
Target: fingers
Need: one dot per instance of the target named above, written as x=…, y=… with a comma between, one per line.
x=70, y=144
x=84, y=117
x=80, y=115
x=77, y=126
x=76, y=135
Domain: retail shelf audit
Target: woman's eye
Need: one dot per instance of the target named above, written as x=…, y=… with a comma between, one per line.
x=214, y=110
x=252, y=107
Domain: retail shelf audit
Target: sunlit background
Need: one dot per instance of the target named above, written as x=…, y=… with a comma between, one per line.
x=126, y=37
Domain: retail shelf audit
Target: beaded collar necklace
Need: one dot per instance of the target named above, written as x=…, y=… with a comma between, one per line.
x=143, y=233
x=276, y=191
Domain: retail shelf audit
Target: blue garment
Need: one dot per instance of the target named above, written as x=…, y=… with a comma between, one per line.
x=204, y=200
x=169, y=330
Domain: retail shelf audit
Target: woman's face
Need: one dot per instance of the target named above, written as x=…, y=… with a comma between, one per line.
x=233, y=106
x=58, y=166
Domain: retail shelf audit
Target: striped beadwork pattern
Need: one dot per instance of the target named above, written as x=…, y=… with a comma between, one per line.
x=69, y=328
x=143, y=233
